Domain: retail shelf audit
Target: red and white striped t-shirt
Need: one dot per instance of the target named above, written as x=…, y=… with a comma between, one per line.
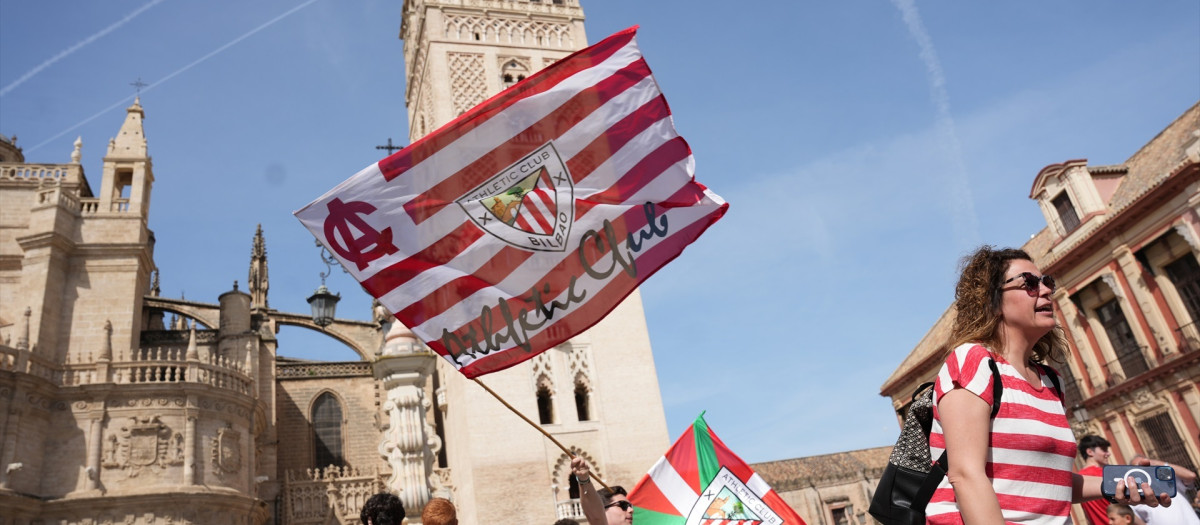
x=1031, y=446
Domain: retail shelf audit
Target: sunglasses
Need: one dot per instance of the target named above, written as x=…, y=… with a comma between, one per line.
x=624, y=504
x=1030, y=282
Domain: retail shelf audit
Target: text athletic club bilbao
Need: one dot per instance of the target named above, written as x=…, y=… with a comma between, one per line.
x=518, y=324
x=515, y=173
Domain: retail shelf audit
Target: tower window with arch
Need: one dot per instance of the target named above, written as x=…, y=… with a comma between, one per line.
x=327, y=431
x=583, y=396
x=545, y=401
x=513, y=72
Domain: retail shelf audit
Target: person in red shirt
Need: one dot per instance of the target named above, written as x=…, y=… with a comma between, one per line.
x=1095, y=453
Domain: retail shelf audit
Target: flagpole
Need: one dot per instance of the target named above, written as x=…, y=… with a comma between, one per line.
x=538, y=427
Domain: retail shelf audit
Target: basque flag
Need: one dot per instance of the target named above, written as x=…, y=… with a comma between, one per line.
x=528, y=218
x=699, y=481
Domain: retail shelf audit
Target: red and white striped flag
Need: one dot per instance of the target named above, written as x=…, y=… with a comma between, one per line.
x=528, y=218
x=699, y=481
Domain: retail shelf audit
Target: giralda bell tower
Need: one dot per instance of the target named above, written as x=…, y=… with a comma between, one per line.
x=598, y=393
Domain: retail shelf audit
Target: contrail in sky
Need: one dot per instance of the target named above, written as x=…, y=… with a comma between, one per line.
x=67, y=52
x=194, y=63
x=966, y=223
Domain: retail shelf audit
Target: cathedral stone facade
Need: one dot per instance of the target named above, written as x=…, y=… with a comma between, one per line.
x=118, y=405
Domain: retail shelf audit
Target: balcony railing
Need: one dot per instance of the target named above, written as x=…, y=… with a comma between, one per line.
x=1189, y=337
x=157, y=364
x=1129, y=363
x=569, y=509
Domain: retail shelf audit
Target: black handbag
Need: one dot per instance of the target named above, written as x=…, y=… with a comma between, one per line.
x=911, y=476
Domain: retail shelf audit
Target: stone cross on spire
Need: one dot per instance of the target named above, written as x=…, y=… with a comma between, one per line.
x=389, y=147
x=138, y=85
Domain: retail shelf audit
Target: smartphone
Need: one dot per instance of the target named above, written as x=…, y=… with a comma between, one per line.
x=1161, y=479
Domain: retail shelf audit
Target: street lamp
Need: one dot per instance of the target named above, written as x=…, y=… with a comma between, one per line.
x=323, y=303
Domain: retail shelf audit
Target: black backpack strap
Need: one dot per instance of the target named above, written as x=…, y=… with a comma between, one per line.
x=997, y=387
x=1049, y=371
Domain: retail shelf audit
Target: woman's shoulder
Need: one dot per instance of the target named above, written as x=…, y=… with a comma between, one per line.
x=969, y=353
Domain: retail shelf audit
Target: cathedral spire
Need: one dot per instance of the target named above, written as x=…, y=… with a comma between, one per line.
x=258, y=281
x=131, y=140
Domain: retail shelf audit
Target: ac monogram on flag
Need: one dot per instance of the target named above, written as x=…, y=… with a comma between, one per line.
x=528, y=218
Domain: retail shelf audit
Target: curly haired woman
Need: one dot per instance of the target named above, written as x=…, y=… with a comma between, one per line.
x=1015, y=468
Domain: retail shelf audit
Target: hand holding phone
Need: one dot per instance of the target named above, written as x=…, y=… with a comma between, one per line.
x=1161, y=480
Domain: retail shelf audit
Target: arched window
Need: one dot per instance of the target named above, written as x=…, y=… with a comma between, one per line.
x=573, y=489
x=513, y=72
x=327, y=431
x=545, y=404
x=582, y=407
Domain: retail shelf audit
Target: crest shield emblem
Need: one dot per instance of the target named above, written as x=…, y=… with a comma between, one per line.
x=529, y=204
x=227, y=450
x=728, y=498
x=143, y=445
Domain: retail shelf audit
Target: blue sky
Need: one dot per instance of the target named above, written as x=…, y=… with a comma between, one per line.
x=864, y=147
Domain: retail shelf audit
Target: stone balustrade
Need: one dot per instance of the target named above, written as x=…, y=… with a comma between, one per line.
x=37, y=173
x=310, y=495
x=146, y=365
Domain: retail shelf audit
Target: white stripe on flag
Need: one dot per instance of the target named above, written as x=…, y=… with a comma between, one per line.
x=672, y=485
x=758, y=485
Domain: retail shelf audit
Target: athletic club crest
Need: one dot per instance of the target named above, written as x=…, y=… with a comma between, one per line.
x=728, y=500
x=530, y=204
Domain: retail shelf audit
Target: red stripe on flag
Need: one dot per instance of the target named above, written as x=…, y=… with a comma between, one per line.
x=682, y=457
x=434, y=255
x=650, y=497
x=539, y=82
x=591, y=312
x=550, y=127
x=448, y=294
x=650, y=167
x=528, y=208
x=601, y=148
x=509, y=258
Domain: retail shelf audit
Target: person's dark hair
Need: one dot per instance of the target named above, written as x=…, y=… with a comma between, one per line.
x=566, y=521
x=977, y=298
x=1091, y=441
x=384, y=508
x=607, y=494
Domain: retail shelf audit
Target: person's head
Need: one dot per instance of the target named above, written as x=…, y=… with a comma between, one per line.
x=1002, y=290
x=1094, y=449
x=1119, y=514
x=566, y=521
x=439, y=511
x=384, y=508
x=616, y=505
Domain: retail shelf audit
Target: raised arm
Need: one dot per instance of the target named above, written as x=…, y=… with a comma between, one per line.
x=589, y=499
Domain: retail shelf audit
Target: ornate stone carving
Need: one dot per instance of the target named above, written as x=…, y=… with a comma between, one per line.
x=141, y=443
x=542, y=369
x=467, y=84
x=258, y=281
x=1110, y=279
x=1144, y=399
x=227, y=450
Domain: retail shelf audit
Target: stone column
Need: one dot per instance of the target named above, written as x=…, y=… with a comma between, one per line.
x=95, y=446
x=8, y=452
x=403, y=368
x=189, y=442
